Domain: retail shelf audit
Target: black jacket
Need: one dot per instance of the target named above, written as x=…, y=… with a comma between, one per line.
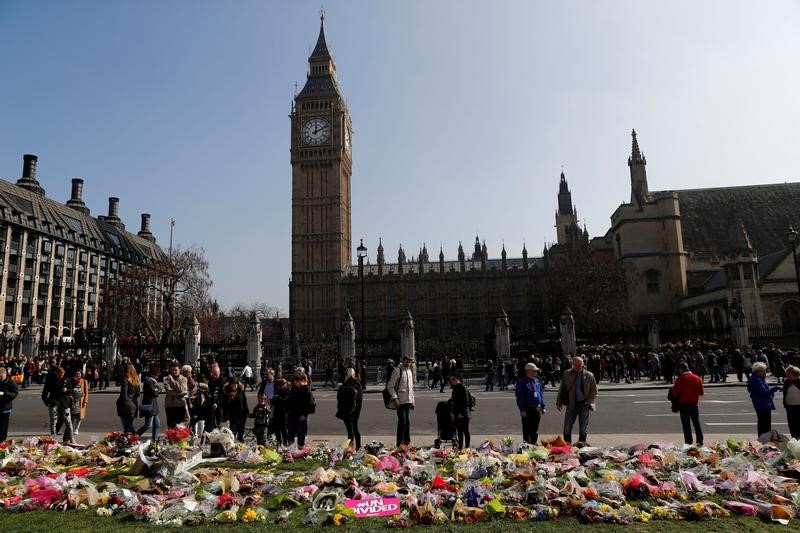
x=280, y=408
x=348, y=400
x=150, y=392
x=459, y=399
x=301, y=401
x=128, y=400
x=10, y=391
x=56, y=392
x=235, y=403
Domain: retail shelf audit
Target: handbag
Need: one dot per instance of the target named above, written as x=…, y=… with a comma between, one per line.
x=387, y=396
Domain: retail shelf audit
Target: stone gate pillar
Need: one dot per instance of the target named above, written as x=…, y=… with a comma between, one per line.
x=254, y=352
x=30, y=339
x=191, y=340
x=110, y=349
x=502, y=336
x=407, y=342
x=347, y=341
x=738, y=322
x=566, y=324
x=654, y=335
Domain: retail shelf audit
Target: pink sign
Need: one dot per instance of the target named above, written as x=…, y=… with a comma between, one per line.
x=374, y=507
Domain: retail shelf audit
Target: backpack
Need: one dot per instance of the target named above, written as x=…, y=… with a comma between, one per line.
x=472, y=400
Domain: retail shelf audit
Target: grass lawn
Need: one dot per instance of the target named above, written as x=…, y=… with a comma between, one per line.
x=75, y=522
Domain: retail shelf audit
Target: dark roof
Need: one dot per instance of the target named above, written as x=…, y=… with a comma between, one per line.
x=321, y=49
x=412, y=267
x=25, y=208
x=319, y=86
x=765, y=211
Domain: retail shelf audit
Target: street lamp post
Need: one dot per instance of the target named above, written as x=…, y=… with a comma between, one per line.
x=791, y=236
x=362, y=253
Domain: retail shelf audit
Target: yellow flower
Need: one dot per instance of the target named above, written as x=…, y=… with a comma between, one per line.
x=249, y=516
x=339, y=519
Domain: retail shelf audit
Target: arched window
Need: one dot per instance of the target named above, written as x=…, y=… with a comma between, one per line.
x=790, y=316
x=653, y=281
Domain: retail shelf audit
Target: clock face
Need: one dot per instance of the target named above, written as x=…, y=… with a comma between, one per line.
x=347, y=138
x=316, y=131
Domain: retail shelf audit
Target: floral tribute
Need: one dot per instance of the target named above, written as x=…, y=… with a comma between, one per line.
x=179, y=437
x=495, y=481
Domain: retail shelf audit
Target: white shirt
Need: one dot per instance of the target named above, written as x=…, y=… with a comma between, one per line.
x=792, y=396
x=247, y=372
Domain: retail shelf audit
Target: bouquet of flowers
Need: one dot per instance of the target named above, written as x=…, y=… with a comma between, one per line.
x=121, y=443
x=179, y=437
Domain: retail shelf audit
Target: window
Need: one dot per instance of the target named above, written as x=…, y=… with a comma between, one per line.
x=652, y=279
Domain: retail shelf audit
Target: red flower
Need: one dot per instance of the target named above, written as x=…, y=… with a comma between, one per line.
x=178, y=435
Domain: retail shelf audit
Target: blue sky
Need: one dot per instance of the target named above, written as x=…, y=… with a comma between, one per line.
x=463, y=113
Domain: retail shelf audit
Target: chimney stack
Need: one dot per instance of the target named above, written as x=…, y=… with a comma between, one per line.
x=28, y=179
x=29, y=166
x=76, y=198
x=144, y=233
x=113, y=213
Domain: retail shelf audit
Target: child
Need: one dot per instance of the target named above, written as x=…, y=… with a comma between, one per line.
x=280, y=407
x=261, y=416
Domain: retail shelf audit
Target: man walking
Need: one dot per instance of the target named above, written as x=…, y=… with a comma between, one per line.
x=685, y=395
x=578, y=392
x=489, y=375
x=8, y=391
x=530, y=402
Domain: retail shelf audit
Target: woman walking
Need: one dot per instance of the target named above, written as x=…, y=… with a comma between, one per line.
x=128, y=400
x=762, y=394
x=791, y=400
x=301, y=404
x=80, y=399
x=149, y=406
x=401, y=393
x=459, y=400
x=348, y=406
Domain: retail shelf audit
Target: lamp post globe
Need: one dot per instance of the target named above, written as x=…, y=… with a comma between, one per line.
x=361, y=252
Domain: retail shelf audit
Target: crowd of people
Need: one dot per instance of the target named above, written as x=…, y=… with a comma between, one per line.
x=202, y=399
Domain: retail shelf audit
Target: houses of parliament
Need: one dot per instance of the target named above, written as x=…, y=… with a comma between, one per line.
x=690, y=255
x=446, y=297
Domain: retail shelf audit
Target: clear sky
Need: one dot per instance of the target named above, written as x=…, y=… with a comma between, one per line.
x=463, y=113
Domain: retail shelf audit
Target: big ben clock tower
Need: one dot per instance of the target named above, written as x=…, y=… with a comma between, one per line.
x=321, y=169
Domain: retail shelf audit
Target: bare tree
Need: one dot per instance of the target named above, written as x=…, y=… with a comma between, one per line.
x=154, y=299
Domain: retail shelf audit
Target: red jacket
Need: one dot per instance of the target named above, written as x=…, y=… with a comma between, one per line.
x=688, y=388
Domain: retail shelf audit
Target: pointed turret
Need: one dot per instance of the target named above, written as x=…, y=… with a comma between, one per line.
x=461, y=257
x=401, y=259
x=321, y=77
x=503, y=264
x=381, y=258
x=564, y=197
x=484, y=256
x=524, y=257
x=637, y=164
x=441, y=260
x=476, y=254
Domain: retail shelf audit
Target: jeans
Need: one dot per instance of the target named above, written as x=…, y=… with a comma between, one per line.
x=764, y=421
x=690, y=416
x=150, y=421
x=462, y=428
x=351, y=425
x=4, y=419
x=530, y=424
x=297, y=428
x=76, y=422
x=489, y=383
x=404, y=424
x=127, y=424
x=237, y=426
x=581, y=412
x=63, y=418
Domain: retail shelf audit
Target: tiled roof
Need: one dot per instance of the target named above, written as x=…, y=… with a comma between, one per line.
x=43, y=215
x=319, y=86
x=766, y=211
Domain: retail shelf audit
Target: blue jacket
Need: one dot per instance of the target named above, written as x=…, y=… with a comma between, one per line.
x=529, y=393
x=761, y=393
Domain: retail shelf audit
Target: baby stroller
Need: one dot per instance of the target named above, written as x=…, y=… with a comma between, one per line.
x=445, y=425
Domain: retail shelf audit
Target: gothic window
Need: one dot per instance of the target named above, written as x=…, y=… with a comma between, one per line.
x=790, y=316
x=652, y=280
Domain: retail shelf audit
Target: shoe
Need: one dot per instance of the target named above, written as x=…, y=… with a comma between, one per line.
x=77, y=433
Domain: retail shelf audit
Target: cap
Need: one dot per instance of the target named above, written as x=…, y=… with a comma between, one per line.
x=531, y=366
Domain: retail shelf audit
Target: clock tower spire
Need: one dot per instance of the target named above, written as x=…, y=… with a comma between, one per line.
x=320, y=137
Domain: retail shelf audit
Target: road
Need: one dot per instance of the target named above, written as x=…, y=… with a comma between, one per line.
x=723, y=411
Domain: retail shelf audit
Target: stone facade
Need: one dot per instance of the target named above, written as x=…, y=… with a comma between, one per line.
x=57, y=259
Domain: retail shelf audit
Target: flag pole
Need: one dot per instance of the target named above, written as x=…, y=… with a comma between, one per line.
x=171, y=225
